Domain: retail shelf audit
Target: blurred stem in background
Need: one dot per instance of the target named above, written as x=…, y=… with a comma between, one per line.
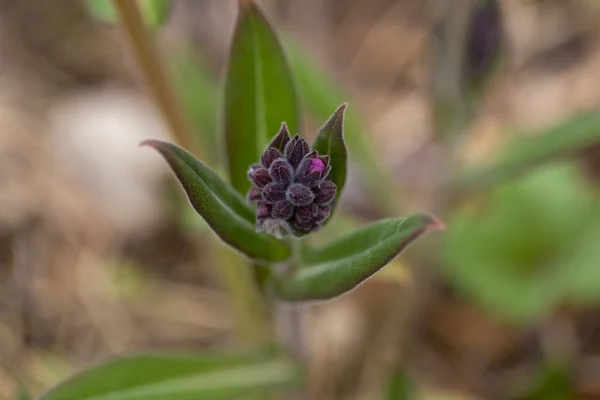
x=250, y=317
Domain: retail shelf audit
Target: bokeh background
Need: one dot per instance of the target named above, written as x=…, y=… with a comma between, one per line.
x=100, y=255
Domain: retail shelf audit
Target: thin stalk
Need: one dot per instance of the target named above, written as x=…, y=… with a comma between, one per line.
x=154, y=74
x=290, y=322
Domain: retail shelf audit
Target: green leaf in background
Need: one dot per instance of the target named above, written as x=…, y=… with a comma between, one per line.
x=529, y=246
x=399, y=387
x=198, y=92
x=22, y=393
x=259, y=93
x=154, y=12
x=227, y=213
x=330, y=141
x=181, y=377
x=532, y=150
x=340, y=266
x=553, y=383
x=320, y=94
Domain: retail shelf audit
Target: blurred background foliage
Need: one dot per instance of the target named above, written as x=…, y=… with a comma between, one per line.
x=100, y=254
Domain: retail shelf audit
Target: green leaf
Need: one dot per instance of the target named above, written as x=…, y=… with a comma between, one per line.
x=22, y=392
x=225, y=211
x=103, y=10
x=177, y=376
x=533, y=150
x=259, y=93
x=526, y=247
x=197, y=90
x=342, y=265
x=320, y=94
x=330, y=141
x=153, y=12
x=552, y=383
x=399, y=387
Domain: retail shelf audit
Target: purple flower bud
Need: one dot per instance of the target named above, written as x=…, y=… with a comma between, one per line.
x=325, y=192
x=261, y=177
x=316, y=164
x=484, y=39
x=302, y=225
x=269, y=156
x=291, y=191
x=295, y=150
x=253, y=168
x=322, y=214
x=283, y=210
x=325, y=173
x=254, y=194
x=312, y=154
x=307, y=213
x=303, y=168
x=263, y=211
x=282, y=138
x=310, y=179
x=281, y=171
x=273, y=192
x=299, y=195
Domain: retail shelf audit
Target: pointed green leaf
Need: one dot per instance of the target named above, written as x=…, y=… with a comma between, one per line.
x=227, y=213
x=342, y=265
x=154, y=12
x=175, y=376
x=533, y=150
x=259, y=93
x=330, y=141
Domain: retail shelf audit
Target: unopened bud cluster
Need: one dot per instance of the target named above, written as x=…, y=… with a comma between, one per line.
x=291, y=184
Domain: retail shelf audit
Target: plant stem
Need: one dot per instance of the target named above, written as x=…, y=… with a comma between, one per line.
x=154, y=73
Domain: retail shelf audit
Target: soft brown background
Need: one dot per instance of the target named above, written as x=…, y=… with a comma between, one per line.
x=92, y=262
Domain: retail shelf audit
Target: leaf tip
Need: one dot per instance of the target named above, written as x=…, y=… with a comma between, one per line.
x=434, y=223
x=148, y=142
x=339, y=113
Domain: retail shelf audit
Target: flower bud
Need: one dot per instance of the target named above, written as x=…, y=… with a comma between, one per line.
x=254, y=194
x=283, y=210
x=281, y=171
x=269, y=156
x=261, y=177
x=282, y=138
x=325, y=192
x=302, y=225
x=299, y=195
x=307, y=213
x=263, y=210
x=273, y=192
x=322, y=214
x=295, y=150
